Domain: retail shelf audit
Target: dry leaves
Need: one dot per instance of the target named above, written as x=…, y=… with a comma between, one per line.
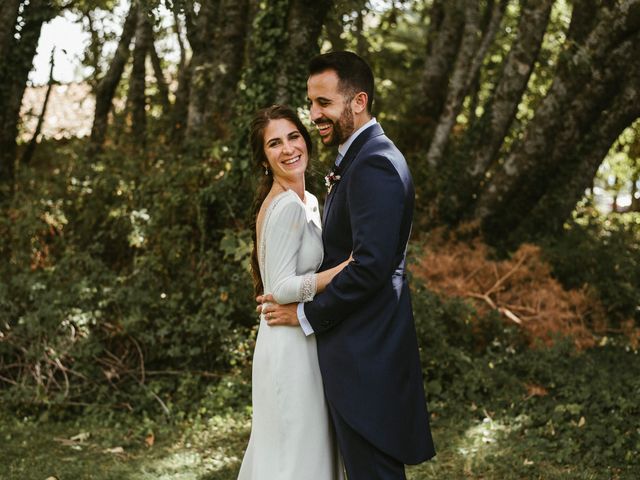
x=520, y=288
x=534, y=390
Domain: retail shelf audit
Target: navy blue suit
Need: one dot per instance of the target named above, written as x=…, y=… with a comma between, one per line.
x=367, y=346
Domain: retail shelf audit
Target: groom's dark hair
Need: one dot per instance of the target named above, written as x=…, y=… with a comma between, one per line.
x=353, y=72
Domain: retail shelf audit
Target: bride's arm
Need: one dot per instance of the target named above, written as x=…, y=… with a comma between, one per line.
x=324, y=278
x=283, y=238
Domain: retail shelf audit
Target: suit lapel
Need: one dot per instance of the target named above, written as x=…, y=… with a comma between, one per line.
x=371, y=132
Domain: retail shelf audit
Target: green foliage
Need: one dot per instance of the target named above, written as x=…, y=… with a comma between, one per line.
x=452, y=337
x=544, y=406
x=118, y=272
x=498, y=411
x=604, y=255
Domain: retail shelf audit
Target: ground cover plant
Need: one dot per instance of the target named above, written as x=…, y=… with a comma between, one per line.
x=500, y=409
x=500, y=412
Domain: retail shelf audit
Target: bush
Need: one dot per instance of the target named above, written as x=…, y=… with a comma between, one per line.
x=116, y=272
x=459, y=348
x=603, y=254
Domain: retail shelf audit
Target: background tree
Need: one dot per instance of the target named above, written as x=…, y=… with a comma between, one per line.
x=19, y=34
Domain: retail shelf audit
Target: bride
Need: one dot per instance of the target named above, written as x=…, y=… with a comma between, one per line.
x=291, y=433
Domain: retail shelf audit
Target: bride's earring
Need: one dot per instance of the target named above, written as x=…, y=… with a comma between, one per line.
x=266, y=170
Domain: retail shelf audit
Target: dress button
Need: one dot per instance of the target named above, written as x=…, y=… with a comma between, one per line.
x=315, y=209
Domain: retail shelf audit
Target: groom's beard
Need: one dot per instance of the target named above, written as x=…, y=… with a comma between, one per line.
x=342, y=129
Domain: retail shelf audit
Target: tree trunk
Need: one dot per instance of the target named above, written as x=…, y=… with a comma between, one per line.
x=502, y=107
x=161, y=82
x=93, y=52
x=107, y=86
x=583, y=18
x=181, y=103
x=14, y=71
x=468, y=63
x=335, y=28
x=9, y=15
x=581, y=113
x=227, y=65
x=361, y=41
x=635, y=193
x=533, y=153
x=568, y=186
x=483, y=139
x=444, y=35
x=201, y=32
x=31, y=147
x=136, y=98
x=304, y=24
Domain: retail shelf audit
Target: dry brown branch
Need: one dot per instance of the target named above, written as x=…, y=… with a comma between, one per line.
x=8, y=380
x=141, y=356
x=502, y=279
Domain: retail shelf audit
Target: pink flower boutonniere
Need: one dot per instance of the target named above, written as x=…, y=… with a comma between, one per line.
x=331, y=179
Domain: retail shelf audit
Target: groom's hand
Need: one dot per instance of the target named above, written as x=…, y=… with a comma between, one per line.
x=260, y=299
x=278, y=315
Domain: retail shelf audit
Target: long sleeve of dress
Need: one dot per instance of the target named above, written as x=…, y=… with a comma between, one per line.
x=282, y=240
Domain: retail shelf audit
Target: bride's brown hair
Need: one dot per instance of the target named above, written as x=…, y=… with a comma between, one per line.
x=258, y=125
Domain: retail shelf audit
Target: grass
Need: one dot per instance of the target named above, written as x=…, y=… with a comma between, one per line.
x=580, y=420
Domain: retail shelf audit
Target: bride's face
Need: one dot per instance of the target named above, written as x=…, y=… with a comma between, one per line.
x=286, y=150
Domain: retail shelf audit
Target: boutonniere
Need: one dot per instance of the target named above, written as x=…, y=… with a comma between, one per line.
x=331, y=179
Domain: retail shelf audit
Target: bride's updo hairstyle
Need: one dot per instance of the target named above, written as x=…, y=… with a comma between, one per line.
x=258, y=126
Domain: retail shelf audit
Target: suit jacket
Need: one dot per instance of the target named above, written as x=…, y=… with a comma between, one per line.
x=367, y=346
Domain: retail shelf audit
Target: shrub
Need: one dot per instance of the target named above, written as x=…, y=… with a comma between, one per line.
x=117, y=272
x=602, y=254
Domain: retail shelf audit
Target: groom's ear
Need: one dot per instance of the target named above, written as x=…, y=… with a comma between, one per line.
x=360, y=102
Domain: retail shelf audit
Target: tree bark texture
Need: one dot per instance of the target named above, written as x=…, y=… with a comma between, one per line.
x=485, y=137
x=107, y=85
x=181, y=102
x=9, y=16
x=470, y=56
x=136, y=98
x=584, y=92
x=574, y=72
x=502, y=107
x=444, y=36
x=565, y=191
x=161, y=82
x=215, y=68
x=15, y=64
x=304, y=24
x=335, y=29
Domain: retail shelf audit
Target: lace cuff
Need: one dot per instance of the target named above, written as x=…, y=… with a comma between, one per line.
x=308, y=287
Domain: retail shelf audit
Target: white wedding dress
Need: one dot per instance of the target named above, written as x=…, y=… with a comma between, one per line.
x=291, y=433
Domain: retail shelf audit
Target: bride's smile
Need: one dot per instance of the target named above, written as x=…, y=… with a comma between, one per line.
x=286, y=153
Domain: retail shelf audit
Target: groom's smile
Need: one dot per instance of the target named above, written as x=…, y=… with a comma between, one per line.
x=324, y=128
x=330, y=110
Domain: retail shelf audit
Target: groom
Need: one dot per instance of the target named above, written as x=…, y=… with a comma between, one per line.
x=363, y=321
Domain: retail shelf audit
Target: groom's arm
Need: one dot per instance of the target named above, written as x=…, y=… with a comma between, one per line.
x=376, y=202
